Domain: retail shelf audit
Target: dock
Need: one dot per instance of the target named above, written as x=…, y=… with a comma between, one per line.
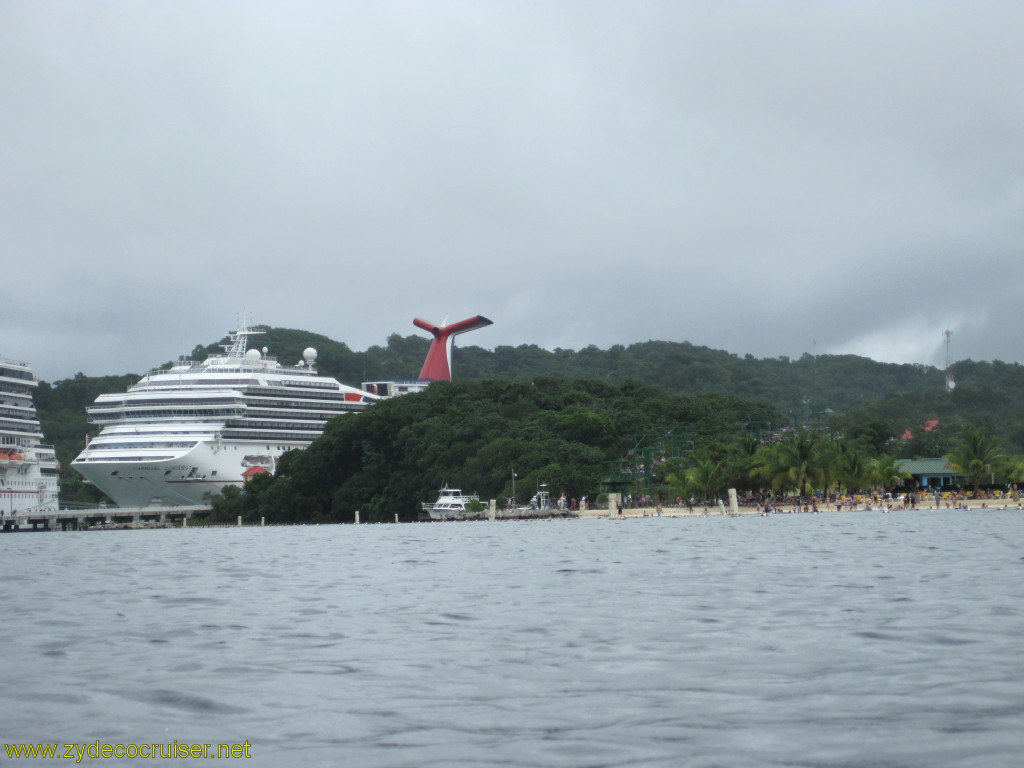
x=101, y=518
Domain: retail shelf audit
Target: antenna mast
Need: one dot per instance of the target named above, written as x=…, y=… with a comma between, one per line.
x=240, y=338
x=950, y=384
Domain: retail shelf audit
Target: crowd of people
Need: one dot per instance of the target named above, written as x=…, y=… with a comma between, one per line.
x=818, y=502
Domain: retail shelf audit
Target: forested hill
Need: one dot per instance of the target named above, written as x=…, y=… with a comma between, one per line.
x=800, y=388
x=884, y=397
x=570, y=435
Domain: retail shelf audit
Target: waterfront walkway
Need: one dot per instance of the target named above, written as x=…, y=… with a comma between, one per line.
x=101, y=517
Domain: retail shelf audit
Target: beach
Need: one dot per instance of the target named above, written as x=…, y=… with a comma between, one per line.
x=822, y=508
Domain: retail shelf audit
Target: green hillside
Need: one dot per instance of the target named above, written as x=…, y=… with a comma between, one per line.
x=884, y=404
x=474, y=435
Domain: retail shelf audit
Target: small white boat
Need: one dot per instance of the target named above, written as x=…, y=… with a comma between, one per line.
x=452, y=504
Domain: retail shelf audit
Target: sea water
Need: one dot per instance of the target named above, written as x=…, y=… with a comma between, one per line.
x=850, y=639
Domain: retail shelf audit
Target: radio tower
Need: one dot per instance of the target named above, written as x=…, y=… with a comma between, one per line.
x=950, y=384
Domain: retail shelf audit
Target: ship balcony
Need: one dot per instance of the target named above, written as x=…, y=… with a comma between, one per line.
x=117, y=415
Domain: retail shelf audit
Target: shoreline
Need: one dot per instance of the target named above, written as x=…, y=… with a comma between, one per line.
x=792, y=509
x=970, y=505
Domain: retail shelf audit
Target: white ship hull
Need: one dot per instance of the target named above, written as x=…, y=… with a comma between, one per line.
x=184, y=480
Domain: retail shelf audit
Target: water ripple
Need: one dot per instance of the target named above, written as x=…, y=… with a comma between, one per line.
x=860, y=639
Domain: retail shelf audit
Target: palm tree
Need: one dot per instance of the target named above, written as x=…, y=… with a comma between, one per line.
x=707, y=477
x=852, y=468
x=767, y=466
x=885, y=471
x=1014, y=471
x=678, y=481
x=975, y=455
x=800, y=455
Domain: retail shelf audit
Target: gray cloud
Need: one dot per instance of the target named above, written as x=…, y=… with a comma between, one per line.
x=770, y=179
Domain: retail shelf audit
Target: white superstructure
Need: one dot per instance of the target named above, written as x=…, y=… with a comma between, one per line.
x=28, y=469
x=191, y=429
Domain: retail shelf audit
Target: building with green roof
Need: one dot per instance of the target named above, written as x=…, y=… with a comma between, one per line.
x=930, y=473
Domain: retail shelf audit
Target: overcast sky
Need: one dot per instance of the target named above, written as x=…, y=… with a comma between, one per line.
x=770, y=178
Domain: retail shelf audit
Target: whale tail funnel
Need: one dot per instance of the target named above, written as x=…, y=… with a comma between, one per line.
x=438, y=365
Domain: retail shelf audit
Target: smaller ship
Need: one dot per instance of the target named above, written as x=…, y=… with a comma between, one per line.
x=28, y=468
x=540, y=506
x=453, y=504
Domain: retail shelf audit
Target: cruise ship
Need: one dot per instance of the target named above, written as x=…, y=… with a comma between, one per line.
x=28, y=468
x=186, y=431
